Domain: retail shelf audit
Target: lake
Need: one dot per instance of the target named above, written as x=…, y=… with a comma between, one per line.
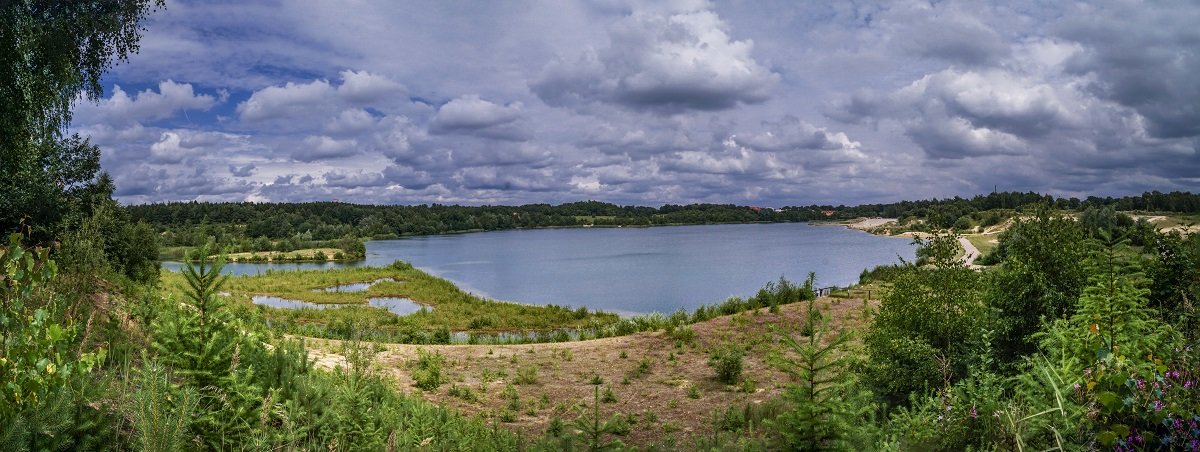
x=632, y=270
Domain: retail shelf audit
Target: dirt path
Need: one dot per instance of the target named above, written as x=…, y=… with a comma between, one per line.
x=652, y=374
x=970, y=253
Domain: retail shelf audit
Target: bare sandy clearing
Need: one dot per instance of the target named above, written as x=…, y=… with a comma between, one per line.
x=657, y=393
x=869, y=223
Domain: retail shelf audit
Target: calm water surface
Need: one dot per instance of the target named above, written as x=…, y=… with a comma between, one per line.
x=632, y=270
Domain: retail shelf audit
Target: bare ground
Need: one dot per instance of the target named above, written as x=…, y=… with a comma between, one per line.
x=659, y=399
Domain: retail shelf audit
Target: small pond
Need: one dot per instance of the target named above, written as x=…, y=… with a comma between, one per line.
x=284, y=303
x=395, y=305
x=354, y=287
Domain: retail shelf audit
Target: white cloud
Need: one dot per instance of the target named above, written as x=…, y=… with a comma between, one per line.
x=470, y=113
x=121, y=109
x=672, y=62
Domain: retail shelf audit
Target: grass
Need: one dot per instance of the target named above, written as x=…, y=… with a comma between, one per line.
x=451, y=308
x=985, y=243
x=454, y=315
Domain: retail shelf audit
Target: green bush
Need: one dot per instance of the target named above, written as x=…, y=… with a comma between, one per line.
x=527, y=375
x=727, y=361
x=428, y=371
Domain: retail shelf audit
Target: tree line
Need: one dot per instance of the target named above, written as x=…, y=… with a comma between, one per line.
x=192, y=223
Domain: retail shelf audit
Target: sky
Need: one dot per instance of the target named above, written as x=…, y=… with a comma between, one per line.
x=768, y=103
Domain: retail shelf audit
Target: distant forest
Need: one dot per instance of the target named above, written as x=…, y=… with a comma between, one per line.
x=190, y=223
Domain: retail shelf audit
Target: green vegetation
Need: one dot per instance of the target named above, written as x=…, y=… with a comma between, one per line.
x=1082, y=336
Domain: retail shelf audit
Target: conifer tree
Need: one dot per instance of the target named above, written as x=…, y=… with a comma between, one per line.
x=827, y=406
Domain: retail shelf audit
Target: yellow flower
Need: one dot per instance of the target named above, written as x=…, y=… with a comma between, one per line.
x=50, y=368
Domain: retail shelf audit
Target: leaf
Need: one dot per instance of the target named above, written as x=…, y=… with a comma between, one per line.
x=1120, y=430
x=1107, y=398
x=1106, y=438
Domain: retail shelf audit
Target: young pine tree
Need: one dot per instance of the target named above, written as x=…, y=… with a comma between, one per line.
x=829, y=411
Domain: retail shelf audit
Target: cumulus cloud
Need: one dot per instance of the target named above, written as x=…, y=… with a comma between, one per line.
x=298, y=100
x=246, y=170
x=1149, y=65
x=322, y=147
x=653, y=102
x=347, y=179
x=121, y=109
x=662, y=61
x=474, y=116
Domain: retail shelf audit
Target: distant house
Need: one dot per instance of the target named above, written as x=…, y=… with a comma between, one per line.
x=828, y=213
x=755, y=208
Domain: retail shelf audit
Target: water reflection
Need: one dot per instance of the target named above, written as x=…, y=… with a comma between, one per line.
x=354, y=287
x=395, y=305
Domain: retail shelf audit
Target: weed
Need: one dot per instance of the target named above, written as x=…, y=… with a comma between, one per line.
x=507, y=415
x=463, y=392
x=609, y=396
x=527, y=376
x=693, y=392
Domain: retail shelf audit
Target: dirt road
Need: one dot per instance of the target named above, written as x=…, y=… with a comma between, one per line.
x=970, y=253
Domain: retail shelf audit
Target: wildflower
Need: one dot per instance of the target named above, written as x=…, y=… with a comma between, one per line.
x=973, y=413
x=1158, y=405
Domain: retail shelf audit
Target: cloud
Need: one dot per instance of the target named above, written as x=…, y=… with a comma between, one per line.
x=298, y=100
x=640, y=102
x=121, y=109
x=361, y=87
x=242, y=171
x=947, y=32
x=322, y=147
x=1142, y=57
x=664, y=62
x=471, y=115
x=346, y=179
x=289, y=100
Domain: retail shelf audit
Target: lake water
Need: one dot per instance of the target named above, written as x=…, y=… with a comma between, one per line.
x=398, y=306
x=632, y=270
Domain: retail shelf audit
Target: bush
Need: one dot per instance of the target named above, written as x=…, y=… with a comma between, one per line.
x=728, y=363
x=527, y=376
x=428, y=372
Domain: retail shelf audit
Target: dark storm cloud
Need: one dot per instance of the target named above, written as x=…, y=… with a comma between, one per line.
x=1143, y=57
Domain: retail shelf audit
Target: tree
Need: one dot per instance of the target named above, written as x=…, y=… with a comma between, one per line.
x=929, y=328
x=50, y=52
x=1041, y=279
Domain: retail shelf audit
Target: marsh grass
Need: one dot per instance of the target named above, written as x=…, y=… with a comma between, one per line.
x=457, y=316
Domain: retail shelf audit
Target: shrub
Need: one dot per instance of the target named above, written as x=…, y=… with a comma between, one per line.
x=727, y=362
x=609, y=396
x=428, y=372
x=527, y=376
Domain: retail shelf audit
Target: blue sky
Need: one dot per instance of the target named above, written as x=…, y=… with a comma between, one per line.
x=763, y=103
